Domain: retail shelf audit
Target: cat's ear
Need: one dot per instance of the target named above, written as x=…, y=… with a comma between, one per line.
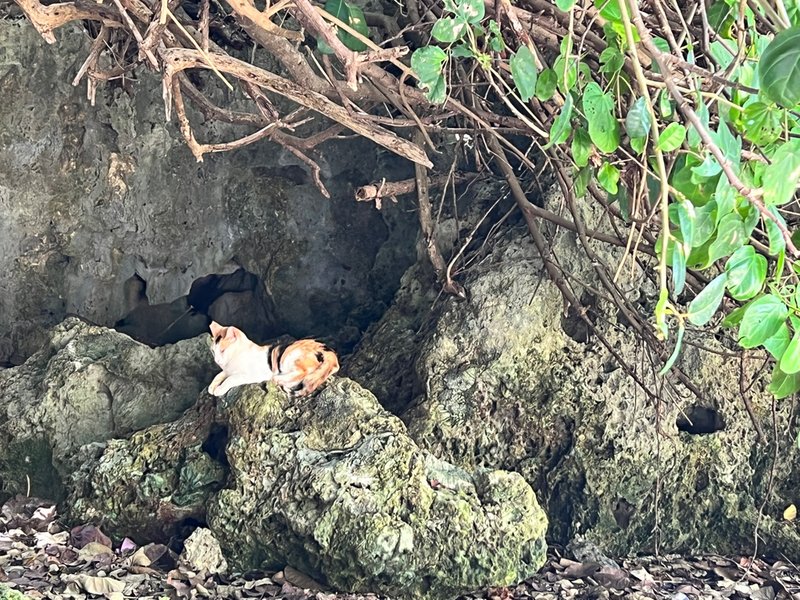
x=215, y=328
x=232, y=333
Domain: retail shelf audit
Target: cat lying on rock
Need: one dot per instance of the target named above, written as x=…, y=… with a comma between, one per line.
x=298, y=368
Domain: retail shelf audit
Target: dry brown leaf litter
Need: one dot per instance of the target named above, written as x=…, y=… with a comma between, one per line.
x=43, y=560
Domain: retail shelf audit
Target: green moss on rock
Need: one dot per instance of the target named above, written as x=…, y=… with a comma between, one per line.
x=152, y=485
x=334, y=486
x=6, y=593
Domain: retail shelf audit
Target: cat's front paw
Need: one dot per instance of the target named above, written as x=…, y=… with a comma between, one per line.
x=213, y=387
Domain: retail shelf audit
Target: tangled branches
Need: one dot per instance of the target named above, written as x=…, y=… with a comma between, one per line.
x=677, y=117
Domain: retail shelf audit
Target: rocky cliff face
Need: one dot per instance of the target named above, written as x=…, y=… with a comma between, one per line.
x=499, y=382
x=91, y=195
x=332, y=484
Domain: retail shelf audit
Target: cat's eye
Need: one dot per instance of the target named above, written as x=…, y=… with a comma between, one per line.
x=217, y=339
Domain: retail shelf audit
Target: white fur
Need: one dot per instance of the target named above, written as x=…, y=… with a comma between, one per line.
x=242, y=362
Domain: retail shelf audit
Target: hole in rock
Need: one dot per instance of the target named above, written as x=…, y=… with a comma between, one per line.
x=215, y=443
x=239, y=299
x=700, y=420
x=623, y=511
x=574, y=325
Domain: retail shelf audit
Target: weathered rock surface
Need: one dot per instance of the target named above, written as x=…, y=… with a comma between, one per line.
x=89, y=384
x=334, y=486
x=331, y=485
x=90, y=195
x=497, y=383
x=154, y=486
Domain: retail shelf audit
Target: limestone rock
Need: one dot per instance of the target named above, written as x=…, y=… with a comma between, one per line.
x=202, y=553
x=91, y=195
x=155, y=485
x=89, y=384
x=502, y=384
x=333, y=486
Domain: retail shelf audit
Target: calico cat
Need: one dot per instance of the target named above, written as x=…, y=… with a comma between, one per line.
x=298, y=368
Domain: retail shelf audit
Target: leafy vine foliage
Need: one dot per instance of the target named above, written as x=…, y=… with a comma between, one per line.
x=606, y=124
x=680, y=118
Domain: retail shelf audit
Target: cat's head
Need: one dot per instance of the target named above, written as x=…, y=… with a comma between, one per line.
x=223, y=339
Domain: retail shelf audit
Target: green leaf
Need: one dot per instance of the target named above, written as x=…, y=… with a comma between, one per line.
x=704, y=223
x=661, y=313
x=437, y=92
x=449, y=29
x=496, y=42
x=790, y=361
x=762, y=123
x=746, y=271
x=637, y=121
x=686, y=217
x=777, y=344
x=779, y=68
x=609, y=9
x=582, y=181
x=678, y=267
x=581, y=147
x=705, y=304
x=524, y=73
x=565, y=5
x=730, y=236
x=783, y=384
x=665, y=104
x=472, y=11
x=761, y=320
x=611, y=60
x=720, y=17
x=694, y=137
x=638, y=144
x=721, y=54
x=354, y=17
x=461, y=51
x=725, y=197
x=608, y=176
x=735, y=317
x=730, y=145
x=781, y=177
x=599, y=110
x=777, y=243
x=708, y=169
x=566, y=72
x=559, y=131
x=676, y=352
x=546, y=85
x=672, y=137
x=427, y=63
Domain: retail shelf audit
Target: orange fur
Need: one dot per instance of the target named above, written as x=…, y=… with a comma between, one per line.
x=314, y=363
x=299, y=368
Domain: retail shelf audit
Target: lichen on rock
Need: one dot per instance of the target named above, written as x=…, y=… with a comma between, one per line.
x=334, y=486
x=502, y=383
x=155, y=485
x=89, y=384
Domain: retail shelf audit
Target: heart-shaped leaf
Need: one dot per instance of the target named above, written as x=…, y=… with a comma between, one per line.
x=779, y=68
x=524, y=73
x=599, y=110
x=707, y=301
x=761, y=320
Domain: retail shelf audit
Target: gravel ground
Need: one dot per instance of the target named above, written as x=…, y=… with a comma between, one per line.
x=41, y=559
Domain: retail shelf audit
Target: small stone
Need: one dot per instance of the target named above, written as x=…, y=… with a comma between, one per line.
x=202, y=553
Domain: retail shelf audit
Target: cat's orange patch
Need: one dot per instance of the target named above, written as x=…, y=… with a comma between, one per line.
x=299, y=368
